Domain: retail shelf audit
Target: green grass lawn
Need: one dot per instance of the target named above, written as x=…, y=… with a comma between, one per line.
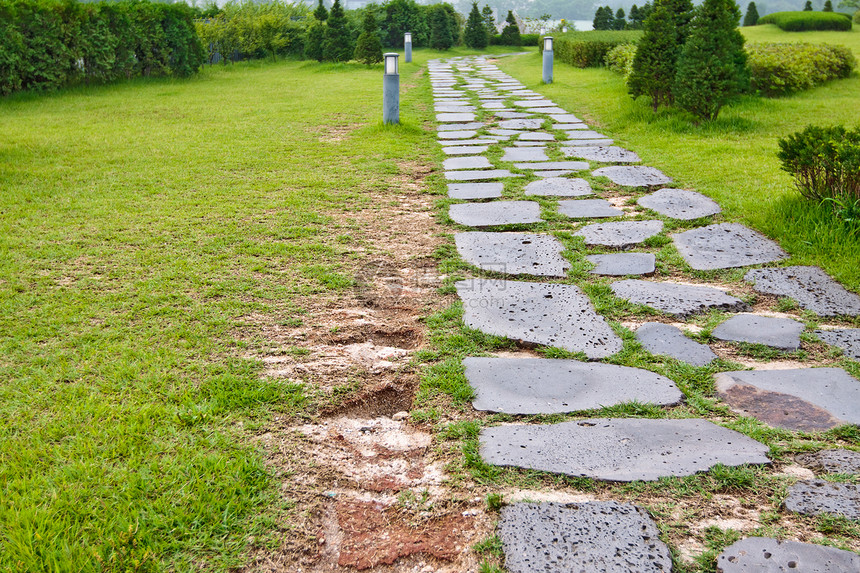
x=732, y=159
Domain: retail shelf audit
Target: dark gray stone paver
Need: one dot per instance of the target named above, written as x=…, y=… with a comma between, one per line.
x=559, y=187
x=540, y=313
x=616, y=449
x=585, y=134
x=600, y=536
x=668, y=340
x=632, y=175
x=807, y=399
x=512, y=114
x=540, y=386
x=620, y=234
x=538, y=136
x=495, y=213
x=620, y=264
x=819, y=497
x=610, y=154
x=513, y=253
x=554, y=165
x=768, y=555
x=478, y=175
x=525, y=154
x=836, y=461
x=588, y=208
x=782, y=333
x=467, y=191
x=678, y=300
x=466, y=163
x=848, y=339
x=521, y=124
x=465, y=149
x=725, y=246
x=812, y=288
x=465, y=134
x=680, y=204
x=594, y=142
x=552, y=173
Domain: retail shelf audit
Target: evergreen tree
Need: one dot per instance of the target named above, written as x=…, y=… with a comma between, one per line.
x=682, y=13
x=656, y=56
x=441, y=30
x=321, y=13
x=489, y=21
x=712, y=68
x=603, y=19
x=476, y=34
x=314, y=40
x=368, y=48
x=620, y=20
x=751, y=17
x=645, y=11
x=828, y=6
x=511, y=33
x=808, y=6
x=337, y=46
x=635, y=21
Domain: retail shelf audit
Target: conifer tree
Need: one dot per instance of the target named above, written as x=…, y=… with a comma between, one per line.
x=337, y=46
x=635, y=21
x=603, y=18
x=489, y=21
x=441, y=30
x=620, y=20
x=368, y=47
x=808, y=6
x=828, y=6
x=712, y=68
x=656, y=56
x=475, y=35
x=751, y=17
x=511, y=33
x=321, y=13
x=314, y=40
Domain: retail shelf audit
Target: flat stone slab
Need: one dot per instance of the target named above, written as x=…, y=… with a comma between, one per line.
x=559, y=187
x=525, y=154
x=564, y=118
x=540, y=136
x=725, y=246
x=465, y=134
x=454, y=117
x=594, y=537
x=555, y=165
x=768, y=555
x=632, y=175
x=836, y=461
x=819, y=497
x=807, y=399
x=594, y=142
x=521, y=124
x=540, y=313
x=482, y=141
x=585, y=134
x=680, y=204
x=513, y=253
x=782, y=333
x=551, y=173
x=609, y=154
x=495, y=213
x=588, y=208
x=504, y=131
x=534, y=103
x=540, y=386
x=460, y=126
x=615, y=449
x=478, y=175
x=512, y=114
x=546, y=110
x=465, y=149
x=619, y=234
x=493, y=105
x=467, y=191
x=848, y=339
x=679, y=300
x=620, y=264
x=453, y=108
x=812, y=288
x=668, y=340
x=467, y=163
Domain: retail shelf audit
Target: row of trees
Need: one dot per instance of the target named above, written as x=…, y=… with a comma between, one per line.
x=604, y=19
x=481, y=27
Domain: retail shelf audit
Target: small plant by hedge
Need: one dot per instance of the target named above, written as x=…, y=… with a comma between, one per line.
x=778, y=69
x=589, y=49
x=620, y=59
x=805, y=21
x=824, y=161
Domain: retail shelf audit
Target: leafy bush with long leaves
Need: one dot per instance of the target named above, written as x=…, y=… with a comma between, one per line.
x=781, y=68
x=824, y=161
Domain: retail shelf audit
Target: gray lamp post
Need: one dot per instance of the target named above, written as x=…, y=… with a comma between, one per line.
x=547, y=60
x=391, y=90
x=407, y=45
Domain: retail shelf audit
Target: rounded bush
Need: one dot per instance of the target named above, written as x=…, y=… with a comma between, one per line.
x=781, y=68
x=805, y=21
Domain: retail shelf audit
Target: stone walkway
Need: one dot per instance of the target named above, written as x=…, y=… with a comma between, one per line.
x=507, y=146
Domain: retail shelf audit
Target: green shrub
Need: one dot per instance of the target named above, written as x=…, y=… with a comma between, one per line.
x=620, y=59
x=589, y=49
x=368, y=47
x=824, y=161
x=778, y=69
x=475, y=35
x=529, y=39
x=511, y=34
x=804, y=21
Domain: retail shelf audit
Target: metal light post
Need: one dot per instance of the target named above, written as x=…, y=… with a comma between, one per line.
x=391, y=90
x=547, y=60
x=407, y=45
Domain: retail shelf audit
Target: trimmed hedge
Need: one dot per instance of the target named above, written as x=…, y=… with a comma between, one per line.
x=805, y=21
x=589, y=49
x=47, y=44
x=779, y=68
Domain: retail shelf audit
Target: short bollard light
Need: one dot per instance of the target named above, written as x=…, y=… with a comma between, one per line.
x=391, y=90
x=407, y=45
x=547, y=60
